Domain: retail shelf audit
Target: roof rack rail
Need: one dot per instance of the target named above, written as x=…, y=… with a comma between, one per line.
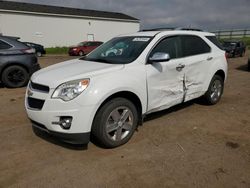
x=188, y=29
x=172, y=28
x=159, y=29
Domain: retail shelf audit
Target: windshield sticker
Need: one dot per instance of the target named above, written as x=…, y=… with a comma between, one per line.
x=141, y=39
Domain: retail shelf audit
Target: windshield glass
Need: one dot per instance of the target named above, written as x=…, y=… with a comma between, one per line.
x=81, y=44
x=229, y=44
x=121, y=50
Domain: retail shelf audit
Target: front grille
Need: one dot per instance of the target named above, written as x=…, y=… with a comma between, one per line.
x=35, y=103
x=39, y=87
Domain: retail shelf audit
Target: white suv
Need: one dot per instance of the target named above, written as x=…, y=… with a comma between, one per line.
x=108, y=94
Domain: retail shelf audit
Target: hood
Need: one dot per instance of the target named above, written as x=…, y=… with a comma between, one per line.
x=57, y=74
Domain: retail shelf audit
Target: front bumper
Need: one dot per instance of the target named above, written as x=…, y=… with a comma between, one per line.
x=49, y=111
x=72, y=138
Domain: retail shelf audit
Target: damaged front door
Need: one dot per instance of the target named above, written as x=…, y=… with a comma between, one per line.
x=165, y=79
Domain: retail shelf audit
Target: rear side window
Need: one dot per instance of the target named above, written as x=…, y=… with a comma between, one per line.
x=4, y=45
x=214, y=40
x=170, y=45
x=92, y=44
x=194, y=45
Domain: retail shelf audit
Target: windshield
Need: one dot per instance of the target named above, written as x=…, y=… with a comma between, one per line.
x=121, y=50
x=81, y=44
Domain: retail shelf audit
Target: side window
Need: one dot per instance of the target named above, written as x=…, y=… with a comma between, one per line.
x=4, y=45
x=215, y=41
x=88, y=44
x=194, y=45
x=170, y=45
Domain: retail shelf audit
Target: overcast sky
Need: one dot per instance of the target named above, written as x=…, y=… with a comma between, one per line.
x=204, y=14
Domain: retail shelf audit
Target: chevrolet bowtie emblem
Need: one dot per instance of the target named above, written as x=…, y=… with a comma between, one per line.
x=30, y=93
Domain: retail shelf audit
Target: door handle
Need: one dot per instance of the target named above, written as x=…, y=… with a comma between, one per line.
x=180, y=67
x=209, y=58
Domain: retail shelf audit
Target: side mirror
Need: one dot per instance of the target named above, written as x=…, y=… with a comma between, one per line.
x=159, y=57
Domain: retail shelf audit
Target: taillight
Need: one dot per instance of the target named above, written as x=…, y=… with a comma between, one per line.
x=29, y=51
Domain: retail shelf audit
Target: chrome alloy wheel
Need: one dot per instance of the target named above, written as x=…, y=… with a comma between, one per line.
x=216, y=90
x=119, y=123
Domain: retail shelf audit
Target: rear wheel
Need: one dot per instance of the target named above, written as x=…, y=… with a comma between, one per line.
x=115, y=123
x=15, y=76
x=215, y=90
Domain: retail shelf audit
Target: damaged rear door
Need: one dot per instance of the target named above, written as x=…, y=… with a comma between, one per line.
x=198, y=59
x=165, y=79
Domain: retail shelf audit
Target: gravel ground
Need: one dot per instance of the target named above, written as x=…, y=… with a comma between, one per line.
x=191, y=145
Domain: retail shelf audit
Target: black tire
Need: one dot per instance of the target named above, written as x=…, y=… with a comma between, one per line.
x=81, y=53
x=15, y=76
x=105, y=117
x=211, y=99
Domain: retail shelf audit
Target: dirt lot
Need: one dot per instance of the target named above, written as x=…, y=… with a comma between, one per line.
x=191, y=145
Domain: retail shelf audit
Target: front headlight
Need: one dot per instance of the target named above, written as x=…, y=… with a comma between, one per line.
x=70, y=90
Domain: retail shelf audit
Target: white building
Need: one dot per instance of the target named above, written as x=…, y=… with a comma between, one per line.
x=59, y=26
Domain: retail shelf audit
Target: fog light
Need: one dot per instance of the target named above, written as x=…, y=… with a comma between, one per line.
x=64, y=122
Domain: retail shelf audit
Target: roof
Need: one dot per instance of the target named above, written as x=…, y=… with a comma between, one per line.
x=64, y=11
x=170, y=32
x=173, y=28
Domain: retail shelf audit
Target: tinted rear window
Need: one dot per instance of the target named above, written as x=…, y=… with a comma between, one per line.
x=214, y=40
x=194, y=45
x=4, y=45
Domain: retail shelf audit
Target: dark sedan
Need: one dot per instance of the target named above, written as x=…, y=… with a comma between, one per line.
x=17, y=62
x=234, y=48
x=38, y=47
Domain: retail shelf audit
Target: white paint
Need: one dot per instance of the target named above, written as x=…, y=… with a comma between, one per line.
x=52, y=31
x=158, y=86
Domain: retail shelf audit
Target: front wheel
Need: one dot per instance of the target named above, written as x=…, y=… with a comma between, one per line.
x=15, y=76
x=115, y=122
x=215, y=90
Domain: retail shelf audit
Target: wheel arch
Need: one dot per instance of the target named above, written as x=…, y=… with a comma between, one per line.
x=221, y=73
x=127, y=95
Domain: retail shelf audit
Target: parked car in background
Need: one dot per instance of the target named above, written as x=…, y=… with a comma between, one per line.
x=84, y=48
x=107, y=96
x=234, y=48
x=38, y=48
x=17, y=62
